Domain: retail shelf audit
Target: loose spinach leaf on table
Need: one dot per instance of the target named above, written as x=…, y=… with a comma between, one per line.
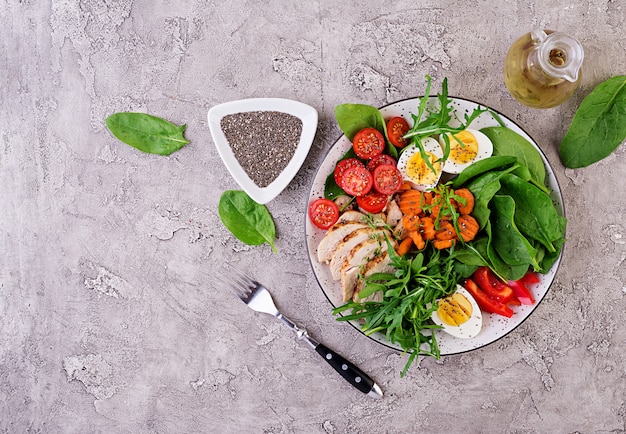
x=147, y=133
x=249, y=221
x=599, y=125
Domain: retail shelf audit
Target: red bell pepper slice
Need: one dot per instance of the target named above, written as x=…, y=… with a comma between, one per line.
x=492, y=285
x=485, y=302
x=521, y=292
x=529, y=279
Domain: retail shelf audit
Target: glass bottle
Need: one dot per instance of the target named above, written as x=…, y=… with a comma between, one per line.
x=542, y=68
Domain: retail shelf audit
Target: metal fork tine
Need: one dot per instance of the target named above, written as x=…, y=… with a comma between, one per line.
x=243, y=276
x=240, y=286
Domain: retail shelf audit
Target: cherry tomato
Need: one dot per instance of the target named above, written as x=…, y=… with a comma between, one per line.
x=380, y=159
x=357, y=181
x=343, y=165
x=323, y=213
x=396, y=128
x=387, y=179
x=372, y=202
x=368, y=143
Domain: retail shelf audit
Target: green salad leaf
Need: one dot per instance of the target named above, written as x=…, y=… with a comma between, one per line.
x=508, y=142
x=599, y=125
x=249, y=221
x=147, y=133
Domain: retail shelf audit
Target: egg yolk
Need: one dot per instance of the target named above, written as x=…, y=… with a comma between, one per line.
x=455, y=309
x=417, y=169
x=464, y=152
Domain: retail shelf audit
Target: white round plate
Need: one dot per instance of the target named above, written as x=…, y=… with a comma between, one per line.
x=494, y=326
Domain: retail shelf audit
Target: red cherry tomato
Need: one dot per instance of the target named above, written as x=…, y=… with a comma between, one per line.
x=380, y=159
x=368, y=143
x=357, y=181
x=396, y=128
x=343, y=165
x=372, y=202
x=323, y=213
x=387, y=179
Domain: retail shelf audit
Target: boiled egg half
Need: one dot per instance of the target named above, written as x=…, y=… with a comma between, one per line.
x=466, y=147
x=416, y=170
x=459, y=314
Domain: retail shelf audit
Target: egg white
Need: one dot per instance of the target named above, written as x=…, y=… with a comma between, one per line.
x=485, y=150
x=468, y=329
x=430, y=146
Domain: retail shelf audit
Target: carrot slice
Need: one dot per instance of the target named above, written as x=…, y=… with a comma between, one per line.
x=427, y=228
x=404, y=246
x=411, y=222
x=466, y=194
x=468, y=227
x=417, y=239
x=409, y=202
x=443, y=244
x=446, y=232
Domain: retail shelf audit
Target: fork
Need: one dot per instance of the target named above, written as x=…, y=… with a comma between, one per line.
x=258, y=298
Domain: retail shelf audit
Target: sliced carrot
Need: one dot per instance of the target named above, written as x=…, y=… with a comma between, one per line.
x=406, y=185
x=443, y=244
x=446, y=232
x=468, y=227
x=404, y=246
x=410, y=202
x=417, y=239
x=428, y=197
x=466, y=194
x=411, y=222
x=427, y=228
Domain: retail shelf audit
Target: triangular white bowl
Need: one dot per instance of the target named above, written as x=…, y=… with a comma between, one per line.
x=306, y=113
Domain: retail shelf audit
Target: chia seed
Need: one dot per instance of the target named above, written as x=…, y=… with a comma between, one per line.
x=263, y=142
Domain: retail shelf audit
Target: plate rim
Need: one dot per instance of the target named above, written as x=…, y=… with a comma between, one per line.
x=378, y=337
x=306, y=113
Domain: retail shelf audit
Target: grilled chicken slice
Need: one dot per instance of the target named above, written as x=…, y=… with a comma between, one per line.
x=352, y=280
x=394, y=215
x=334, y=236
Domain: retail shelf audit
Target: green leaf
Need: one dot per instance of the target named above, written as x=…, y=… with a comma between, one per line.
x=482, y=166
x=599, y=125
x=249, y=221
x=352, y=118
x=508, y=142
x=147, y=133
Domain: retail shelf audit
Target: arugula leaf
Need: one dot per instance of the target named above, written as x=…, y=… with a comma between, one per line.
x=409, y=297
x=147, y=133
x=248, y=221
x=599, y=125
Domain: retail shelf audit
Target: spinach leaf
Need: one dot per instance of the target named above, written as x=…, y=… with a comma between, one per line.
x=482, y=166
x=599, y=125
x=147, y=133
x=352, y=118
x=508, y=241
x=508, y=142
x=535, y=214
x=249, y=221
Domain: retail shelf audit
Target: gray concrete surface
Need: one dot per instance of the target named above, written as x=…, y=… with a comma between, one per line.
x=110, y=317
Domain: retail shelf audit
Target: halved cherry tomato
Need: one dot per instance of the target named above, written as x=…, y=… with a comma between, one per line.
x=372, y=202
x=357, y=181
x=521, y=292
x=396, y=128
x=368, y=143
x=380, y=159
x=323, y=213
x=343, y=165
x=489, y=282
x=485, y=302
x=387, y=179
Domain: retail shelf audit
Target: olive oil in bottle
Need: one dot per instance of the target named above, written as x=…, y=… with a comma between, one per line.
x=542, y=69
